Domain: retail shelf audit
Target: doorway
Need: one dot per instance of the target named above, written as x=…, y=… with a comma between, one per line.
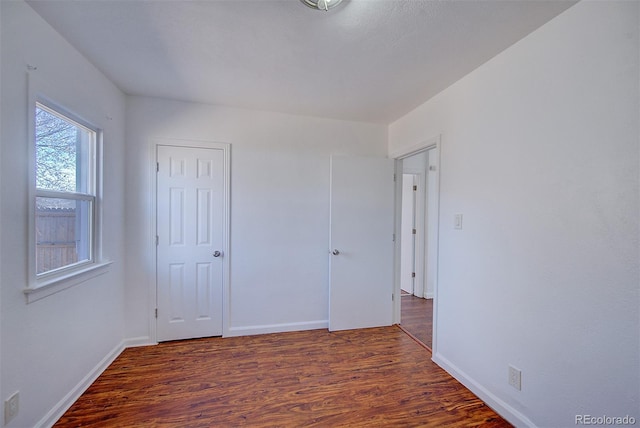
x=418, y=242
x=191, y=240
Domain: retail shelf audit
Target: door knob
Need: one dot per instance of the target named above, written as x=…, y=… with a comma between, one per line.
x=335, y=252
x=217, y=253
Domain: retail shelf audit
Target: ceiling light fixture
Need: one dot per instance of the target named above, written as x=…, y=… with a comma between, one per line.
x=321, y=4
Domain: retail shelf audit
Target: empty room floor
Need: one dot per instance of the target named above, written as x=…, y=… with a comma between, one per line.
x=416, y=317
x=368, y=377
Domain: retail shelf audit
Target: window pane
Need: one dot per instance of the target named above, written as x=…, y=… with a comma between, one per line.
x=62, y=153
x=63, y=231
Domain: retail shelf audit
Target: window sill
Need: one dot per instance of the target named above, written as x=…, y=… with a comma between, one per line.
x=45, y=288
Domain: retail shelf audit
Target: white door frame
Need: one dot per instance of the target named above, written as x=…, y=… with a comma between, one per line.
x=153, y=280
x=399, y=155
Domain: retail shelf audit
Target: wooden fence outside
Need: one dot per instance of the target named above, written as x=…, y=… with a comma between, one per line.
x=55, y=238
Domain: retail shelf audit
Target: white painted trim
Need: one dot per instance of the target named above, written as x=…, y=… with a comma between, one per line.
x=226, y=287
x=436, y=209
x=397, y=250
x=63, y=405
x=152, y=249
x=70, y=279
x=276, y=328
x=134, y=342
x=402, y=153
x=503, y=409
x=33, y=90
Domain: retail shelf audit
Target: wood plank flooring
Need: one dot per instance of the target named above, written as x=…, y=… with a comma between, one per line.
x=358, y=378
x=416, y=317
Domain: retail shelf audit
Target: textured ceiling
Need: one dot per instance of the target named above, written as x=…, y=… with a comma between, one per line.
x=367, y=60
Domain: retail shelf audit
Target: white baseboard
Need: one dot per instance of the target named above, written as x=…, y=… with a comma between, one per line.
x=428, y=295
x=133, y=342
x=503, y=409
x=63, y=405
x=277, y=328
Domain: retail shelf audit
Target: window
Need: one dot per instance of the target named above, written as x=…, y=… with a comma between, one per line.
x=65, y=192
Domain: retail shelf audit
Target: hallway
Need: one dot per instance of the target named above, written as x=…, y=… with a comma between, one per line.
x=417, y=317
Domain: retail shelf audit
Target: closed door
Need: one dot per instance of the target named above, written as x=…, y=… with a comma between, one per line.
x=361, y=240
x=190, y=268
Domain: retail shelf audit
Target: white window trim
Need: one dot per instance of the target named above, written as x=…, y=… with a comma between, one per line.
x=48, y=286
x=40, y=286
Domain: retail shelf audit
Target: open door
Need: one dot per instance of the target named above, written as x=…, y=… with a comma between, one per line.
x=361, y=243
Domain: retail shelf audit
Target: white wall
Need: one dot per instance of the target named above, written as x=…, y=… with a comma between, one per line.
x=50, y=345
x=540, y=153
x=415, y=163
x=1, y=235
x=279, y=207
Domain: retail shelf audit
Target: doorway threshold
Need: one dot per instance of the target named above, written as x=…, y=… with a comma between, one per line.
x=418, y=341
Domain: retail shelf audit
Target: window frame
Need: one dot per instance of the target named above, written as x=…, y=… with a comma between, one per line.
x=89, y=196
x=55, y=280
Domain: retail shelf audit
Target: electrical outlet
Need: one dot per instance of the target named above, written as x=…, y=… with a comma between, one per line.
x=515, y=378
x=11, y=407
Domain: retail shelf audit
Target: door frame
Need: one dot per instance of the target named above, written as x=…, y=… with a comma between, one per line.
x=153, y=228
x=433, y=143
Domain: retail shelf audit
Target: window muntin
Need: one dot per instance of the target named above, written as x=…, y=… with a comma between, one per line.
x=65, y=195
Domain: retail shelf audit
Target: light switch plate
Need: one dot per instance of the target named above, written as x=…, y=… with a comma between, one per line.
x=457, y=221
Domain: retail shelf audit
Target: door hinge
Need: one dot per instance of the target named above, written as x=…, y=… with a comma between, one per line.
x=394, y=177
x=415, y=188
x=393, y=297
x=413, y=274
x=156, y=312
x=413, y=231
x=394, y=238
x=157, y=166
x=157, y=240
x=432, y=167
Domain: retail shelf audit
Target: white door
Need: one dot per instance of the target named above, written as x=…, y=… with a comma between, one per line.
x=361, y=260
x=190, y=209
x=408, y=234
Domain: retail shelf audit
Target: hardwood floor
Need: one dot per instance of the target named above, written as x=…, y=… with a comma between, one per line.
x=416, y=317
x=371, y=377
